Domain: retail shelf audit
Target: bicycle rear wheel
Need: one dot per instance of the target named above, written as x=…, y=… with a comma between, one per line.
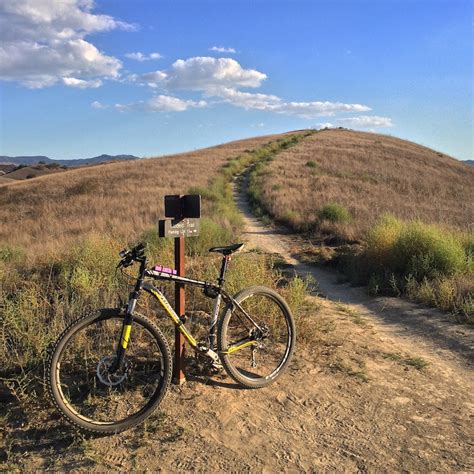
x=91, y=397
x=255, y=358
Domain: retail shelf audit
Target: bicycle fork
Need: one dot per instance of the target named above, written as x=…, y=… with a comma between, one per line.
x=128, y=320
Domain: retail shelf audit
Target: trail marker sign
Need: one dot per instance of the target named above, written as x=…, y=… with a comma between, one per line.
x=183, y=213
x=188, y=227
x=180, y=207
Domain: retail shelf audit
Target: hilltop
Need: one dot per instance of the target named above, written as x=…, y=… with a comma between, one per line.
x=363, y=176
x=390, y=214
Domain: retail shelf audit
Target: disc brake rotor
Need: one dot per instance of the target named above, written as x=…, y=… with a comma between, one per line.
x=108, y=378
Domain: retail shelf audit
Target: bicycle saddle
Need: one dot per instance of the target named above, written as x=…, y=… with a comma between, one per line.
x=230, y=249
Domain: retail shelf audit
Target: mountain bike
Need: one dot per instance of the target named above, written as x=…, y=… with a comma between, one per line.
x=109, y=370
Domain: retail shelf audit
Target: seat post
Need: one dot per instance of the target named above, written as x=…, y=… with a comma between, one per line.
x=225, y=261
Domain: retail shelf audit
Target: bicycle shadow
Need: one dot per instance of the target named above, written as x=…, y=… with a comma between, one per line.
x=213, y=382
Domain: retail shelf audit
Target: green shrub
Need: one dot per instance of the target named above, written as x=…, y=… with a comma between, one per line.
x=381, y=239
x=311, y=164
x=427, y=263
x=334, y=212
x=426, y=251
x=89, y=269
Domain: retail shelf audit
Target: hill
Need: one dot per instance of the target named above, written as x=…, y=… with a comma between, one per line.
x=390, y=214
x=34, y=160
x=119, y=198
x=27, y=172
x=362, y=176
x=470, y=162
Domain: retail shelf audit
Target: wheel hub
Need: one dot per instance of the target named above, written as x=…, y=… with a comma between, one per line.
x=261, y=333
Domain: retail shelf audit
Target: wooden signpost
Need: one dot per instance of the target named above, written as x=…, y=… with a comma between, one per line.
x=184, y=213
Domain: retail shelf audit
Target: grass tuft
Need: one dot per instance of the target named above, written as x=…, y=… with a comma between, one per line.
x=335, y=213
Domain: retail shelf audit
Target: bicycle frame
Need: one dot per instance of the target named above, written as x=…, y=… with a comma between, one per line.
x=175, y=318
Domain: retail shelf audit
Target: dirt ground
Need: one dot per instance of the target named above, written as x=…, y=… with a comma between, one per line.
x=387, y=386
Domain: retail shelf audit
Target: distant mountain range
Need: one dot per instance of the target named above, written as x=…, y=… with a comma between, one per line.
x=34, y=160
x=469, y=162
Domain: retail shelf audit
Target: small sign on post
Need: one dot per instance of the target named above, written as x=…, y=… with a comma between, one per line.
x=183, y=213
x=178, y=227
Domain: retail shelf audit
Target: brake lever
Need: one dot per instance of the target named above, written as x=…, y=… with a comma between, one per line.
x=123, y=253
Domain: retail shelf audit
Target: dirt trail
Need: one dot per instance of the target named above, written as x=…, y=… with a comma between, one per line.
x=360, y=400
x=431, y=331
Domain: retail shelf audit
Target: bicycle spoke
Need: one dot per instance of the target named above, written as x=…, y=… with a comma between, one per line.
x=118, y=395
x=257, y=354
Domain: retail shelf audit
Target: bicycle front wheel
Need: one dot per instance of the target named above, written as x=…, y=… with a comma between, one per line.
x=257, y=357
x=92, y=397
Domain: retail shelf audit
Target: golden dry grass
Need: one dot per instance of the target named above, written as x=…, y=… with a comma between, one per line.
x=29, y=172
x=370, y=175
x=46, y=214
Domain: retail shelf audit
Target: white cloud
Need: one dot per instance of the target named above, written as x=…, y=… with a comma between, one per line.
x=143, y=57
x=272, y=103
x=166, y=103
x=81, y=83
x=246, y=100
x=320, y=126
x=98, y=105
x=42, y=42
x=311, y=109
x=364, y=121
x=224, y=77
x=202, y=74
x=221, y=49
x=162, y=103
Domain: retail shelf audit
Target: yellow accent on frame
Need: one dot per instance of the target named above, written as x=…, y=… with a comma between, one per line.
x=172, y=314
x=126, y=335
x=237, y=348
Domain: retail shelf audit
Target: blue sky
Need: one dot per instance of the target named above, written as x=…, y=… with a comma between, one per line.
x=81, y=78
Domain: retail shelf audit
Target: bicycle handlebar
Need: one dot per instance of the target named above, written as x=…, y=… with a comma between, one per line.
x=129, y=256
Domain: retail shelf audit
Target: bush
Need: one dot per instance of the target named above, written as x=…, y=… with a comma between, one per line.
x=311, y=164
x=381, y=239
x=425, y=251
x=416, y=249
x=334, y=212
x=89, y=269
x=426, y=262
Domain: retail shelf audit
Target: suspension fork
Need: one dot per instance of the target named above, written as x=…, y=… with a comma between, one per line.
x=128, y=319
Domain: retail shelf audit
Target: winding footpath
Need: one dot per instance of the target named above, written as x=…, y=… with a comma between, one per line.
x=411, y=324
